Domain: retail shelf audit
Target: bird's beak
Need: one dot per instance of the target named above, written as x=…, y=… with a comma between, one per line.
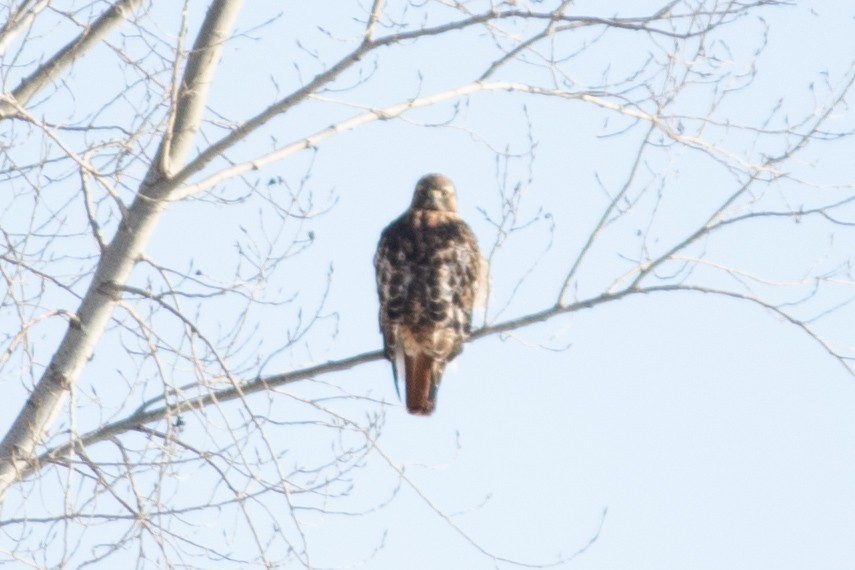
x=435, y=196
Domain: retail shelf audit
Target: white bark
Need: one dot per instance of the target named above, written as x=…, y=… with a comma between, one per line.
x=18, y=448
x=18, y=20
x=50, y=70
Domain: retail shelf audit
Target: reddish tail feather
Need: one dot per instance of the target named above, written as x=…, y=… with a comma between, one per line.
x=422, y=383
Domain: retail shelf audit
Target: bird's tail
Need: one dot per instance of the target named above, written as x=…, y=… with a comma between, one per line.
x=423, y=376
x=399, y=368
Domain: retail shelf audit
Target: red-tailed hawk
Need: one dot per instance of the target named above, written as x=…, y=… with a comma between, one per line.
x=428, y=266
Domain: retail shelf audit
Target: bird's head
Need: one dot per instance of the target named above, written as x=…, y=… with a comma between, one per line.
x=435, y=192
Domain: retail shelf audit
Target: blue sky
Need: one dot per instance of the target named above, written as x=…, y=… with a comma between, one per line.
x=681, y=430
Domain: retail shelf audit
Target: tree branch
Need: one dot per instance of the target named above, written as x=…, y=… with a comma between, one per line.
x=143, y=416
x=192, y=95
x=48, y=71
x=114, y=266
x=17, y=21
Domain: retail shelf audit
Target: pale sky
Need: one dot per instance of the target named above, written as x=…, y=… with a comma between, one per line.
x=684, y=431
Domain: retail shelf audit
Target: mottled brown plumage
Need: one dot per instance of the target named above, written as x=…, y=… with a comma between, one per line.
x=428, y=266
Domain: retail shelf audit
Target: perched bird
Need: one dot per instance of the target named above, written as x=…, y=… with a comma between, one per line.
x=428, y=267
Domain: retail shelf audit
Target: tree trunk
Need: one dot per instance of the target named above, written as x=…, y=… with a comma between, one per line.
x=17, y=449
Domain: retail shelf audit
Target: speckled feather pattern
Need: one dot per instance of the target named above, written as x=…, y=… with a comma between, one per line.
x=428, y=266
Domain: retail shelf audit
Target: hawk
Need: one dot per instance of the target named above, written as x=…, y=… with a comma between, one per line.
x=428, y=268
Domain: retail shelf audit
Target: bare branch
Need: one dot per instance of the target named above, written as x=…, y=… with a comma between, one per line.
x=194, y=89
x=48, y=71
x=246, y=388
x=18, y=20
x=113, y=269
x=228, y=380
